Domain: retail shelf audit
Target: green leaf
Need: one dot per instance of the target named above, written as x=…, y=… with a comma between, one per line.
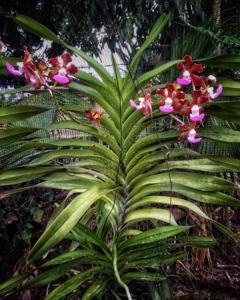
x=155, y=261
x=65, y=221
x=170, y=201
x=49, y=276
x=13, y=134
x=20, y=175
x=12, y=283
x=152, y=235
x=227, y=231
x=144, y=78
x=71, y=284
x=226, y=110
x=154, y=33
x=150, y=214
x=17, y=90
x=18, y=112
x=145, y=276
x=97, y=287
x=201, y=183
x=73, y=255
x=37, y=28
x=220, y=134
x=222, y=61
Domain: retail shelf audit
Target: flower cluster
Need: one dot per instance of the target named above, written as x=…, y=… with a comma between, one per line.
x=40, y=74
x=188, y=108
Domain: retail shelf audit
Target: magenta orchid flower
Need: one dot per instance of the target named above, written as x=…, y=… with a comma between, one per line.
x=218, y=92
x=13, y=71
x=193, y=137
x=167, y=107
x=64, y=68
x=189, y=68
x=195, y=115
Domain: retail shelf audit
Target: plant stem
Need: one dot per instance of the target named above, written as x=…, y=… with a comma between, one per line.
x=119, y=280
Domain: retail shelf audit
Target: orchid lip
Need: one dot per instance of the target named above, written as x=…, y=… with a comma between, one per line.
x=165, y=109
x=197, y=118
x=193, y=140
x=183, y=81
x=61, y=79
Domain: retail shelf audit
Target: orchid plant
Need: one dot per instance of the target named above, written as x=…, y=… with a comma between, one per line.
x=121, y=179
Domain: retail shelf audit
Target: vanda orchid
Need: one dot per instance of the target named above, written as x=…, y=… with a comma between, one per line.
x=124, y=178
x=190, y=110
x=40, y=74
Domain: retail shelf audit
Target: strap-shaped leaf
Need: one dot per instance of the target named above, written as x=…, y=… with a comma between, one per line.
x=79, y=126
x=222, y=61
x=152, y=235
x=96, y=289
x=220, y=134
x=214, y=197
x=20, y=175
x=154, y=33
x=201, y=183
x=156, y=260
x=145, y=276
x=139, y=215
x=12, y=283
x=226, y=110
x=65, y=221
x=71, y=284
x=155, y=138
x=49, y=276
x=74, y=255
x=19, y=112
x=151, y=159
x=170, y=201
x=13, y=134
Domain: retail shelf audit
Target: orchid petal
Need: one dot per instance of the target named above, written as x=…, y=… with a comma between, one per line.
x=14, y=71
x=134, y=105
x=61, y=79
x=218, y=92
x=32, y=79
x=183, y=81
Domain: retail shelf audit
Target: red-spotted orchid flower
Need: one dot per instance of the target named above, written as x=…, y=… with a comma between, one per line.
x=34, y=72
x=171, y=96
x=193, y=137
x=195, y=114
x=188, y=72
x=64, y=69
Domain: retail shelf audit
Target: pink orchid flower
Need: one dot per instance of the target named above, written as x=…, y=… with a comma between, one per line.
x=64, y=68
x=195, y=115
